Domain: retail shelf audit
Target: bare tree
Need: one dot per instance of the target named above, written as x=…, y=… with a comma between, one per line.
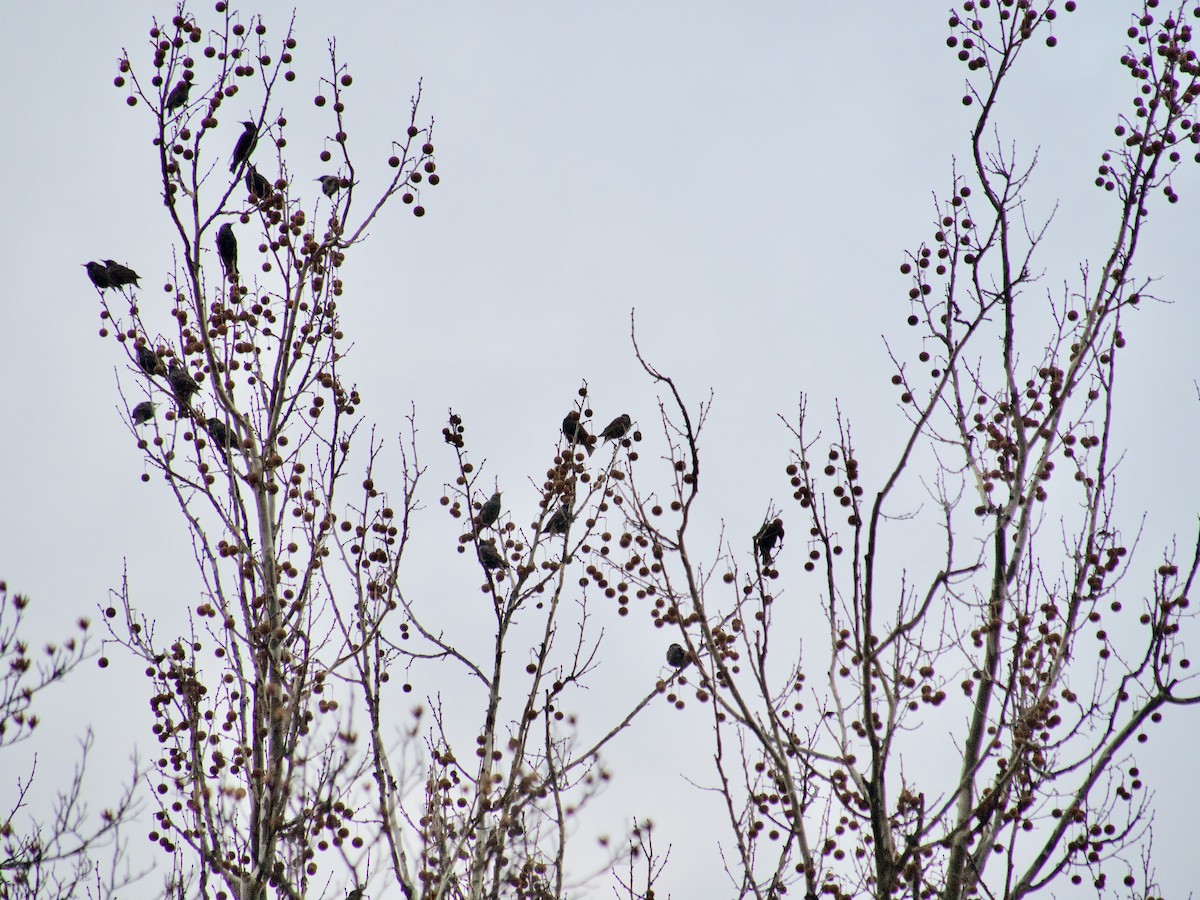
x=71, y=851
x=302, y=623
x=979, y=704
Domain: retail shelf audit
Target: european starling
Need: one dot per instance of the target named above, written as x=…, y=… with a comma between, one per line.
x=677, y=656
x=227, y=250
x=183, y=385
x=330, y=184
x=767, y=537
x=490, y=557
x=119, y=275
x=557, y=523
x=143, y=412
x=147, y=359
x=244, y=146
x=489, y=512
x=178, y=96
x=617, y=428
x=219, y=432
x=257, y=185
x=99, y=275
x=575, y=432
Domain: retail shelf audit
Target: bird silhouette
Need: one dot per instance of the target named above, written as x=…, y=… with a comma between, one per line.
x=98, y=273
x=119, y=275
x=219, y=432
x=489, y=512
x=677, y=656
x=330, y=184
x=575, y=433
x=227, y=250
x=245, y=145
x=617, y=428
x=490, y=557
x=143, y=412
x=178, y=96
x=559, y=522
x=767, y=537
x=257, y=185
x=183, y=385
x=148, y=361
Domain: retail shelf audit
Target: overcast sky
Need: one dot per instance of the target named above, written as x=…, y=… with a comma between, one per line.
x=746, y=176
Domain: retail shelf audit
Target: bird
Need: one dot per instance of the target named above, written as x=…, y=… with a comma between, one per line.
x=119, y=275
x=257, y=185
x=617, y=428
x=490, y=557
x=143, y=412
x=99, y=275
x=562, y=518
x=767, y=537
x=244, y=146
x=330, y=184
x=183, y=385
x=219, y=432
x=575, y=432
x=178, y=96
x=489, y=512
x=677, y=656
x=147, y=360
x=227, y=250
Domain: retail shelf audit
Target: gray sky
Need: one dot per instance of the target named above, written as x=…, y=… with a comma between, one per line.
x=747, y=176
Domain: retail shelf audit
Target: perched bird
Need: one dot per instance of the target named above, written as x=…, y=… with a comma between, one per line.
x=767, y=537
x=562, y=518
x=575, y=432
x=148, y=361
x=227, y=250
x=244, y=146
x=257, y=185
x=677, y=656
x=183, y=385
x=119, y=275
x=178, y=96
x=617, y=428
x=330, y=184
x=143, y=412
x=490, y=557
x=99, y=275
x=219, y=432
x=489, y=512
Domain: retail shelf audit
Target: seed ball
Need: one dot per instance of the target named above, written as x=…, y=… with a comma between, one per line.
x=394, y=162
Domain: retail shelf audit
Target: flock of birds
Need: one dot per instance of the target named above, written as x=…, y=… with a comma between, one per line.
x=111, y=274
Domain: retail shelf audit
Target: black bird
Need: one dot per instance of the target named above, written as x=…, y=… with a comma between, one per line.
x=557, y=523
x=178, y=96
x=183, y=385
x=119, y=275
x=99, y=275
x=575, y=432
x=257, y=185
x=490, y=557
x=143, y=412
x=677, y=656
x=489, y=512
x=219, y=432
x=767, y=537
x=227, y=250
x=244, y=146
x=330, y=184
x=147, y=360
x=617, y=428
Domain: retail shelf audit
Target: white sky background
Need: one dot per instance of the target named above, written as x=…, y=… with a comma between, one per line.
x=746, y=176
